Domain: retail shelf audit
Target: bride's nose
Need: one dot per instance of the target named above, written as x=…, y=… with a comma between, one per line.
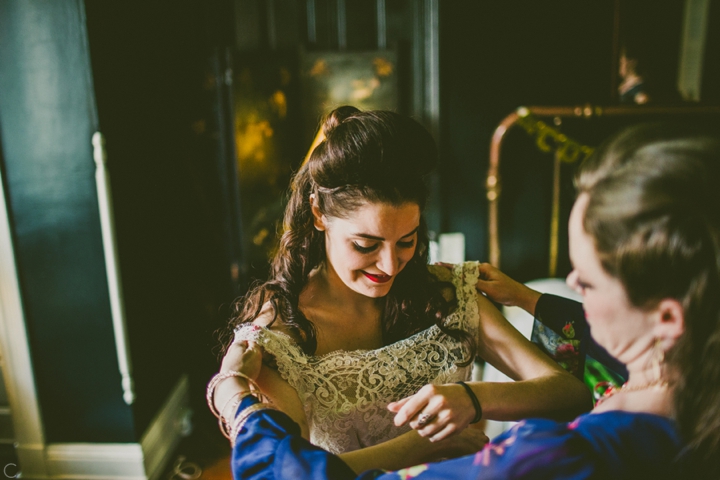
x=388, y=261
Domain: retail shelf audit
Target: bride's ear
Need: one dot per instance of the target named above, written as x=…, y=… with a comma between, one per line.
x=318, y=218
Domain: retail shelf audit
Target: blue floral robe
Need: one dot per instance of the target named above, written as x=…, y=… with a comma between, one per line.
x=609, y=445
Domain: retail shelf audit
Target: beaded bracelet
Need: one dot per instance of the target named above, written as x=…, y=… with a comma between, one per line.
x=475, y=401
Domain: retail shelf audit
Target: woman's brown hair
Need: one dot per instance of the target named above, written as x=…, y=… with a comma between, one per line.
x=366, y=157
x=654, y=215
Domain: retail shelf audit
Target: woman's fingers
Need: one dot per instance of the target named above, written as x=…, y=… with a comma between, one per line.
x=396, y=406
x=432, y=416
x=449, y=266
x=422, y=409
x=442, y=434
x=435, y=412
x=409, y=411
x=250, y=348
x=425, y=419
x=438, y=422
x=442, y=424
x=243, y=356
x=412, y=407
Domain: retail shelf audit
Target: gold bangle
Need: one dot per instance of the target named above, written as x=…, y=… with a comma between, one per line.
x=242, y=417
x=235, y=404
x=222, y=421
x=210, y=393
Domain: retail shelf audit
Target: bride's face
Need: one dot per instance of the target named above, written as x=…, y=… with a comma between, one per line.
x=367, y=250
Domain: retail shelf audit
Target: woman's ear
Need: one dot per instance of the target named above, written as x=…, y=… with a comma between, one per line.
x=671, y=320
x=318, y=217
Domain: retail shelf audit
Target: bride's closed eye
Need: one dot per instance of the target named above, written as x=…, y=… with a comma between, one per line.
x=364, y=249
x=407, y=244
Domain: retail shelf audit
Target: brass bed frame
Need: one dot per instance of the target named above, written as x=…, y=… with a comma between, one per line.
x=567, y=151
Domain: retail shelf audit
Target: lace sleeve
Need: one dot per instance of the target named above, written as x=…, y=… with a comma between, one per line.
x=444, y=274
x=289, y=357
x=464, y=278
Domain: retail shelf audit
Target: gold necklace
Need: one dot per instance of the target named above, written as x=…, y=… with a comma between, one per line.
x=611, y=390
x=659, y=383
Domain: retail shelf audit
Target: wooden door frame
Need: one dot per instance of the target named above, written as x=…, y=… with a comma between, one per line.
x=16, y=360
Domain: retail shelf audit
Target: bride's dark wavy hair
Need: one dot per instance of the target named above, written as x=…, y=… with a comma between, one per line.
x=366, y=157
x=654, y=216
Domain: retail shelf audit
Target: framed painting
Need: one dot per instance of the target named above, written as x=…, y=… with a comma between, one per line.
x=367, y=80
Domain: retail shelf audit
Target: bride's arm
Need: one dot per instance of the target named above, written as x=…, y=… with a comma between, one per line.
x=284, y=397
x=278, y=390
x=411, y=449
x=542, y=388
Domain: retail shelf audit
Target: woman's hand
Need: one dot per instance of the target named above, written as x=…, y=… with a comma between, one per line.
x=436, y=412
x=244, y=357
x=504, y=290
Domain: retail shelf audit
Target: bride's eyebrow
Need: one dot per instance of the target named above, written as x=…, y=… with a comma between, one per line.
x=411, y=233
x=380, y=239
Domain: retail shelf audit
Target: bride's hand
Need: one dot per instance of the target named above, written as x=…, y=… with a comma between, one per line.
x=435, y=411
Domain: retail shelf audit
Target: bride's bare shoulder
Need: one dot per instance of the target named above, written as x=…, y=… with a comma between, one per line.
x=268, y=318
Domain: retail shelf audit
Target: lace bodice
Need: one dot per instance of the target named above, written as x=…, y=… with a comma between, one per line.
x=345, y=393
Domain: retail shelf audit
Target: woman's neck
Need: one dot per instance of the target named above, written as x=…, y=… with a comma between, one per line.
x=343, y=318
x=646, y=389
x=326, y=288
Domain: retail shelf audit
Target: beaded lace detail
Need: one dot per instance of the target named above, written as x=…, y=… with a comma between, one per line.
x=345, y=393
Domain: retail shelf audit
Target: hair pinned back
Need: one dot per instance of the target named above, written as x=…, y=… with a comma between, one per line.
x=654, y=216
x=366, y=157
x=336, y=117
x=381, y=155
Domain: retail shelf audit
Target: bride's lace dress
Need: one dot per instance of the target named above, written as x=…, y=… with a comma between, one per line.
x=345, y=393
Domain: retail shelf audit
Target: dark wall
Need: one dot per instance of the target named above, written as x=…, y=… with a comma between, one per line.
x=146, y=75
x=710, y=88
x=155, y=85
x=495, y=57
x=47, y=118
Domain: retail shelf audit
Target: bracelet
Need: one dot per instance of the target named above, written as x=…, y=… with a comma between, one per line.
x=235, y=403
x=475, y=401
x=242, y=417
x=210, y=393
x=222, y=422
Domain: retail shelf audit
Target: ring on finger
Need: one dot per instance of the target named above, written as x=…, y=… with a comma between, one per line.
x=424, y=419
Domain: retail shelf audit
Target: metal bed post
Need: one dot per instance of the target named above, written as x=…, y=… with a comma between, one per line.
x=493, y=182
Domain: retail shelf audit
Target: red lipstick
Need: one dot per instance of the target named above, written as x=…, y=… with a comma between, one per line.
x=378, y=278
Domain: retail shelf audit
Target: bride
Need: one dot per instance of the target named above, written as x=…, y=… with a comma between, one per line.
x=352, y=318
